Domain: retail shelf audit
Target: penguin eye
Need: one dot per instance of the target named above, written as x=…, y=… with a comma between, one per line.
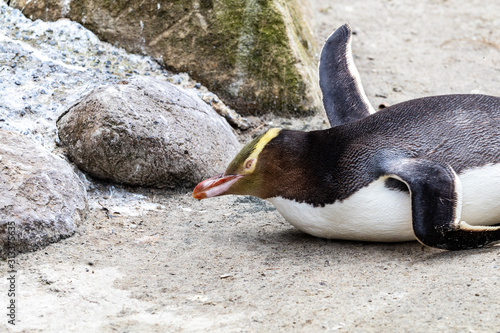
x=249, y=163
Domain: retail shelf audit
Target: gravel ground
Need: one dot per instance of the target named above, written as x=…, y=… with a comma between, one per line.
x=159, y=261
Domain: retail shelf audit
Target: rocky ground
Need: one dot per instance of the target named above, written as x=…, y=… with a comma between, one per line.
x=159, y=261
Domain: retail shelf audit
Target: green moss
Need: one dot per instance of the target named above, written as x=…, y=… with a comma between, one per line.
x=256, y=45
x=255, y=54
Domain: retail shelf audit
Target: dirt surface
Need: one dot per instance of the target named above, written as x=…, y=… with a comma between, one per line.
x=159, y=261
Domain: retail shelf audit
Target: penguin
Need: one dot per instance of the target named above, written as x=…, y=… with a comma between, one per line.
x=427, y=169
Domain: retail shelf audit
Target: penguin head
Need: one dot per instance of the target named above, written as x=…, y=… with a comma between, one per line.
x=245, y=175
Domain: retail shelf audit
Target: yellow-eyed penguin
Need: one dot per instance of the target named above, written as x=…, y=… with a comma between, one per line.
x=426, y=169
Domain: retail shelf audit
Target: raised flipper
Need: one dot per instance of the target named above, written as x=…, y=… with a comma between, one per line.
x=436, y=199
x=344, y=98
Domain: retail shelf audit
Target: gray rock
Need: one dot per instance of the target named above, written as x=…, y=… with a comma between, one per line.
x=41, y=198
x=146, y=132
x=258, y=56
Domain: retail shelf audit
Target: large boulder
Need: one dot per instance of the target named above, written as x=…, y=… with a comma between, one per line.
x=258, y=56
x=41, y=198
x=146, y=132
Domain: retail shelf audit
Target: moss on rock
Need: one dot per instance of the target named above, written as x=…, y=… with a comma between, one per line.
x=256, y=54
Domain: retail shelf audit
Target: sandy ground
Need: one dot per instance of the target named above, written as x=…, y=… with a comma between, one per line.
x=161, y=261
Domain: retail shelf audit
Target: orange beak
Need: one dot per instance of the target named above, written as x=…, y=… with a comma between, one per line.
x=214, y=186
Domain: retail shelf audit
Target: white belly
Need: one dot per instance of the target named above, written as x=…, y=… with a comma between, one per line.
x=377, y=213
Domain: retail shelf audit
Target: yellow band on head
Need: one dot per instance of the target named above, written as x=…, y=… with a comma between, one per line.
x=270, y=134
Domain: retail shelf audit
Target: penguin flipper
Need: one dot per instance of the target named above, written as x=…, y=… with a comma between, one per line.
x=344, y=98
x=436, y=200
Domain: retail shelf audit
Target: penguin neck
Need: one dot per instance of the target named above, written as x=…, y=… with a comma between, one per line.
x=298, y=164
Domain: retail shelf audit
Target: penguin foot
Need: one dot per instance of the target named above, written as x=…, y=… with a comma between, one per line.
x=436, y=199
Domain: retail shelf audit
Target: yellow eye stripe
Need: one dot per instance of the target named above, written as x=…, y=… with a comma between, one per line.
x=271, y=134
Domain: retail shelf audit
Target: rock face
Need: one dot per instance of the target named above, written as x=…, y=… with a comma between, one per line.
x=258, y=56
x=41, y=198
x=146, y=132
